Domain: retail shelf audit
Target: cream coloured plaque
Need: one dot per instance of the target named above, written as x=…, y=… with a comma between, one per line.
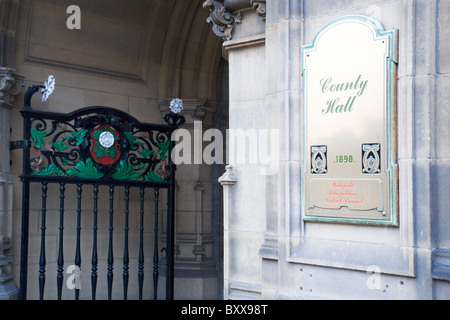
x=349, y=172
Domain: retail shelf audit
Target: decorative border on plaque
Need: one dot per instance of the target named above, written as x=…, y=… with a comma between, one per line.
x=319, y=160
x=371, y=155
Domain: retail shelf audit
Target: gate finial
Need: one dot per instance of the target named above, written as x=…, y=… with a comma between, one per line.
x=48, y=88
x=174, y=118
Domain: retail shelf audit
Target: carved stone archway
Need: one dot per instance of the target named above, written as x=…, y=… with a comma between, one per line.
x=136, y=57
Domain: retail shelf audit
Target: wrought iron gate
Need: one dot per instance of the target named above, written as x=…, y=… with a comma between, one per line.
x=94, y=148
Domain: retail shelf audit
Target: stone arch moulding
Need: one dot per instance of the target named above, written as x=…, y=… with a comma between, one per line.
x=122, y=54
x=190, y=62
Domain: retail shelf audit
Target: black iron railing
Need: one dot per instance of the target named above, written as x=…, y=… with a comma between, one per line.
x=91, y=148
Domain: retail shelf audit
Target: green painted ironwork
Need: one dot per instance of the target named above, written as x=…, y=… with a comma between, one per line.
x=38, y=137
x=163, y=147
x=64, y=153
x=79, y=135
x=126, y=171
x=85, y=170
x=152, y=176
x=146, y=153
x=50, y=170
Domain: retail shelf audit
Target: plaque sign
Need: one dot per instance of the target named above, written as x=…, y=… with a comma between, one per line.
x=349, y=171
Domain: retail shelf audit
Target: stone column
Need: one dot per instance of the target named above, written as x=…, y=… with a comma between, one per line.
x=241, y=23
x=10, y=85
x=227, y=181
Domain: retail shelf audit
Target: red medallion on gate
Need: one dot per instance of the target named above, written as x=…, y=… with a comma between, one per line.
x=105, y=144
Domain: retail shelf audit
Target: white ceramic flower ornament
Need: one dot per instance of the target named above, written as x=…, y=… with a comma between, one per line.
x=176, y=105
x=49, y=87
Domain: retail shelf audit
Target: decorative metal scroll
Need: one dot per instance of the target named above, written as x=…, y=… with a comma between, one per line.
x=98, y=146
x=99, y=143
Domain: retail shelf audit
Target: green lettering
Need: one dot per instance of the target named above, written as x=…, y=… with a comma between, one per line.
x=362, y=87
x=355, y=85
x=331, y=105
x=349, y=105
x=339, y=108
x=324, y=84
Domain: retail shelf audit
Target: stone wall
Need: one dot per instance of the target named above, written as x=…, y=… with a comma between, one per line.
x=271, y=252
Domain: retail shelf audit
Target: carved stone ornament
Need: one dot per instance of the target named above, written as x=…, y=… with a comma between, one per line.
x=225, y=14
x=222, y=20
x=228, y=178
x=11, y=84
x=260, y=7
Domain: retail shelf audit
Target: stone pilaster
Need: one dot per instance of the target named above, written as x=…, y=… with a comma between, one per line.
x=11, y=85
x=241, y=23
x=227, y=180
